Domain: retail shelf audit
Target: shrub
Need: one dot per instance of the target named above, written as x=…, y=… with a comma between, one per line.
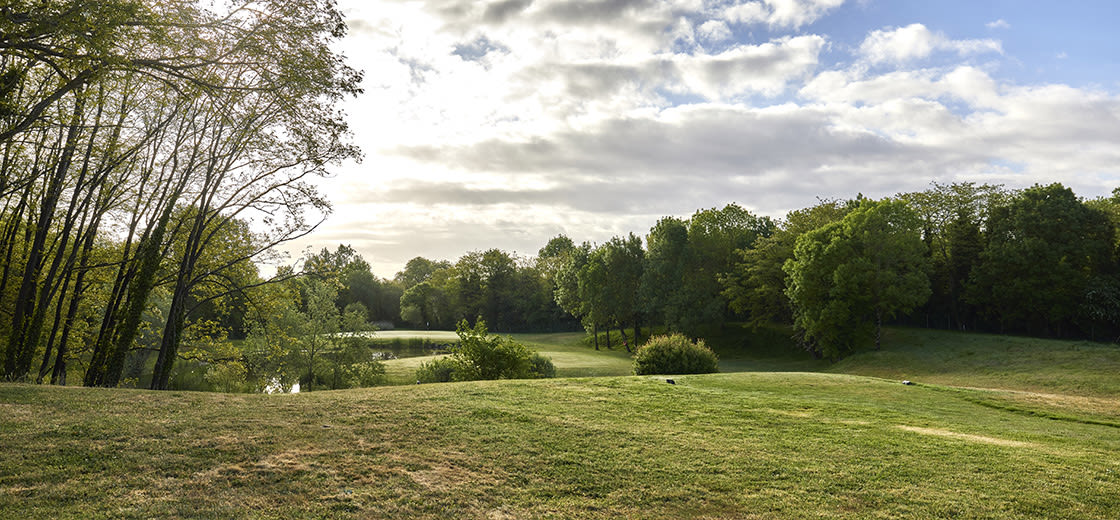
x=541, y=367
x=366, y=374
x=441, y=370
x=675, y=354
x=481, y=355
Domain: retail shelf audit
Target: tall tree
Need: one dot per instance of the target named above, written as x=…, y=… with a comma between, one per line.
x=1043, y=249
x=662, y=283
x=284, y=129
x=845, y=278
x=757, y=285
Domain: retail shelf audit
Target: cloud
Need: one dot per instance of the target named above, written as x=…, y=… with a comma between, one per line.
x=715, y=31
x=780, y=13
x=697, y=153
x=915, y=41
x=998, y=24
x=765, y=69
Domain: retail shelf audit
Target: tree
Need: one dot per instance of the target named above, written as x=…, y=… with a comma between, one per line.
x=714, y=237
x=663, y=277
x=623, y=261
x=1043, y=249
x=418, y=270
x=284, y=129
x=952, y=216
x=846, y=277
x=423, y=304
x=569, y=291
x=757, y=285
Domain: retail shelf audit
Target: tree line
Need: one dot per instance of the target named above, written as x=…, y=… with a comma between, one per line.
x=964, y=256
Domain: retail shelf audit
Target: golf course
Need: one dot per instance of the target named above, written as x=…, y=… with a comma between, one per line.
x=992, y=427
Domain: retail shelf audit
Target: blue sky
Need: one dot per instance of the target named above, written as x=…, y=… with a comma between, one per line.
x=1036, y=34
x=502, y=123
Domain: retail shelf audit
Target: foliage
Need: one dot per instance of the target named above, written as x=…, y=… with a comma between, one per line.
x=1034, y=271
x=439, y=370
x=541, y=367
x=675, y=354
x=757, y=285
x=847, y=276
x=481, y=355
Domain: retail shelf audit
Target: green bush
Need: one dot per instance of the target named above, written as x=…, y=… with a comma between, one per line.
x=367, y=374
x=541, y=367
x=441, y=370
x=675, y=354
x=481, y=355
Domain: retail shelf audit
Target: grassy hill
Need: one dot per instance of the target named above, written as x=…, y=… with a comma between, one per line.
x=740, y=445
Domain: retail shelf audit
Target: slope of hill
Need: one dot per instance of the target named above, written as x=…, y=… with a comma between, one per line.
x=749, y=445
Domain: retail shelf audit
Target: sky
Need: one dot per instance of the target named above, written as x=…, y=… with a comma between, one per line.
x=503, y=123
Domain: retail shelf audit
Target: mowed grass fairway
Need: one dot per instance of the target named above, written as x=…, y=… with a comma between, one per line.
x=997, y=427
x=749, y=445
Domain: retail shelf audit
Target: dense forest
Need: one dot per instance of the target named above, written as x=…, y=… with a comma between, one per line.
x=153, y=154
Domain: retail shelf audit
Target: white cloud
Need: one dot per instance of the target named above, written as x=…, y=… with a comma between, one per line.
x=967, y=84
x=715, y=31
x=998, y=24
x=915, y=41
x=780, y=13
x=765, y=69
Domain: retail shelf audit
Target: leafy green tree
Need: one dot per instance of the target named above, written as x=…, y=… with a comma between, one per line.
x=757, y=285
x=593, y=289
x=419, y=270
x=569, y=292
x=951, y=217
x=663, y=278
x=622, y=261
x=1044, y=247
x=423, y=304
x=846, y=277
x=714, y=238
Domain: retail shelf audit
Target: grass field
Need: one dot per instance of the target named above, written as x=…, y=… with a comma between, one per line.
x=996, y=427
x=760, y=445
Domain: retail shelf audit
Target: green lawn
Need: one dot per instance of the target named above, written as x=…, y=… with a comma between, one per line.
x=985, y=360
x=745, y=445
x=996, y=427
x=434, y=336
x=972, y=360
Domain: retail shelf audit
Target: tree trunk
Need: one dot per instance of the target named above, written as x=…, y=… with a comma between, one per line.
x=177, y=314
x=878, y=329
x=22, y=343
x=148, y=256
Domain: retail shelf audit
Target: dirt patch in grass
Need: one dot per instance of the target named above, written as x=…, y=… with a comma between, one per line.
x=966, y=436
